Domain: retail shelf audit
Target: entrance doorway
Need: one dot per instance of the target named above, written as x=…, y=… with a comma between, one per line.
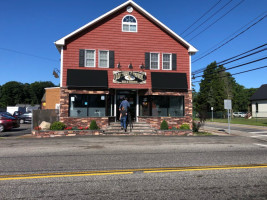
x=131, y=96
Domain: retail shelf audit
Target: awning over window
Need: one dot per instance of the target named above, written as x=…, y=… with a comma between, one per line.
x=167, y=81
x=87, y=78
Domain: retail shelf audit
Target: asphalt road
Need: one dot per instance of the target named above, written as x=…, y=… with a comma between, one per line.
x=214, y=167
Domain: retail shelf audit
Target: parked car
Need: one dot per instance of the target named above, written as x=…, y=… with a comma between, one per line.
x=25, y=118
x=8, y=122
x=239, y=114
x=17, y=114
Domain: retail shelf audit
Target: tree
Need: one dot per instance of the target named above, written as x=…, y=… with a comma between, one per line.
x=217, y=85
x=11, y=93
x=214, y=88
x=37, y=90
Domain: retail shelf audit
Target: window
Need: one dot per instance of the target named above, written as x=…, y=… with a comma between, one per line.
x=257, y=107
x=103, y=59
x=90, y=58
x=162, y=106
x=154, y=61
x=129, y=24
x=166, y=61
x=93, y=105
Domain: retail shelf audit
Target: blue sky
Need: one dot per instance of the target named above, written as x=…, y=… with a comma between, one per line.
x=29, y=29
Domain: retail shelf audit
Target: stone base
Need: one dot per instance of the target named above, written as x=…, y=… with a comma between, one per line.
x=51, y=134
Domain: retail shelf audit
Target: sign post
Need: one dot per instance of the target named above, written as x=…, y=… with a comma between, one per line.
x=211, y=114
x=228, y=106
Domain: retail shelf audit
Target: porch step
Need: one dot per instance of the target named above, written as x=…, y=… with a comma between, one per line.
x=138, y=129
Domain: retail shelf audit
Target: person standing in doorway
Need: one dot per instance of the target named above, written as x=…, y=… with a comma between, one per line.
x=124, y=104
x=123, y=118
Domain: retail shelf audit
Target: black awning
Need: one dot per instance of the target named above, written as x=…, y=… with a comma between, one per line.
x=171, y=81
x=87, y=78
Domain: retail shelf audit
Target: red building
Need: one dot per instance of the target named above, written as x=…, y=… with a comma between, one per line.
x=125, y=53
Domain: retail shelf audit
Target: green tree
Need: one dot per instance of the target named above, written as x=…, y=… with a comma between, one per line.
x=37, y=90
x=11, y=93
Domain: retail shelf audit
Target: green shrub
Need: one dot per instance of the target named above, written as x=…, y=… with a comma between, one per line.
x=57, y=126
x=196, y=126
x=93, y=125
x=185, y=126
x=164, y=125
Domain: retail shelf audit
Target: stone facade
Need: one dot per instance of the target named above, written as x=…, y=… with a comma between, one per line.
x=103, y=122
x=172, y=121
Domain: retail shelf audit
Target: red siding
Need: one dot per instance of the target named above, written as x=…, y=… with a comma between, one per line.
x=128, y=47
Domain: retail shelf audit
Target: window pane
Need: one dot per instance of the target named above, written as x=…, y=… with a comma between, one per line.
x=125, y=27
x=103, y=63
x=90, y=62
x=133, y=28
x=162, y=106
x=166, y=65
x=82, y=105
x=90, y=58
x=166, y=57
x=103, y=58
x=78, y=107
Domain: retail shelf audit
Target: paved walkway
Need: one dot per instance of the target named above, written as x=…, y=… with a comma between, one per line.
x=216, y=128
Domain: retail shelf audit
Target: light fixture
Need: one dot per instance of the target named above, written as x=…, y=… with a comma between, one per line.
x=142, y=66
x=130, y=66
x=119, y=65
x=56, y=72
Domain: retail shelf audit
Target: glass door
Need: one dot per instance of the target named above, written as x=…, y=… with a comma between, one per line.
x=131, y=96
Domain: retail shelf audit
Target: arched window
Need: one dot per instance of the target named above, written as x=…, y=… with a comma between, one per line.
x=129, y=24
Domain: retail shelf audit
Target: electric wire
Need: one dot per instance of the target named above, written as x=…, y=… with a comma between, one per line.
x=208, y=18
x=28, y=54
x=237, y=66
x=201, y=17
x=239, y=72
x=216, y=20
x=223, y=62
x=215, y=48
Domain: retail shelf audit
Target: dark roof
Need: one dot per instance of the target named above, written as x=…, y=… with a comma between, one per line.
x=260, y=94
x=169, y=81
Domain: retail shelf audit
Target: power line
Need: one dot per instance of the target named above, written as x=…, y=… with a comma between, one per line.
x=240, y=33
x=239, y=72
x=242, y=53
x=28, y=54
x=237, y=66
x=223, y=62
x=216, y=20
x=209, y=18
x=201, y=17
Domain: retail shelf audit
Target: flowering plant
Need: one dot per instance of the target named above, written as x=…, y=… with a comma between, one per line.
x=37, y=128
x=68, y=128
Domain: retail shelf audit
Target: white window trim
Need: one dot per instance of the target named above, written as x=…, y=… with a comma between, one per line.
x=170, y=61
x=94, y=57
x=129, y=23
x=158, y=60
x=99, y=59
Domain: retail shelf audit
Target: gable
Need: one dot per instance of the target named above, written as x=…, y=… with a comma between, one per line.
x=260, y=94
x=115, y=12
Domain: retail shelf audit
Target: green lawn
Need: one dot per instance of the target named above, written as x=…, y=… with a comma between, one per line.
x=253, y=121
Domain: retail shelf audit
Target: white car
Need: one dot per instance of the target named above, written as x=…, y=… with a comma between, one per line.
x=239, y=114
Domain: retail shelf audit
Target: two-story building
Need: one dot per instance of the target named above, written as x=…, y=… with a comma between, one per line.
x=125, y=53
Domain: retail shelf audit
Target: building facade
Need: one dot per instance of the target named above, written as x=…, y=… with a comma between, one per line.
x=125, y=53
x=259, y=102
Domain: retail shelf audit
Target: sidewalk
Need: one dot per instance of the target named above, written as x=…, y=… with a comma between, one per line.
x=235, y=129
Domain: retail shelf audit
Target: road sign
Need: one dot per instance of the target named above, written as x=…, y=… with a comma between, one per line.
x=228, y=104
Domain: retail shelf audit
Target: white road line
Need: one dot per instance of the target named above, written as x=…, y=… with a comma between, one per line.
x=262, y=145
x=259, y=136
x=259, y=132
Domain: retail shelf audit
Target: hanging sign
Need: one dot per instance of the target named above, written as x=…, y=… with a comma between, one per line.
x=129, y=77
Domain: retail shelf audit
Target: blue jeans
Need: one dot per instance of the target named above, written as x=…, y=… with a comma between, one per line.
x=123, y=121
